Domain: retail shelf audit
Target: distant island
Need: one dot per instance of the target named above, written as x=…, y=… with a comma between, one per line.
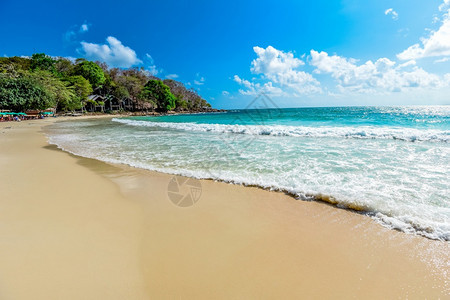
x=41, y=82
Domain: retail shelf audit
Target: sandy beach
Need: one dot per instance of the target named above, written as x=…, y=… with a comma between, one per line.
x=77, y=228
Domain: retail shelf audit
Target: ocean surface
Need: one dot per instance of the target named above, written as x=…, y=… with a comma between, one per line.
x=391, y=163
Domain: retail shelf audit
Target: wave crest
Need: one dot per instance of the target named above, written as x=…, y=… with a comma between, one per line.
x=365, y=132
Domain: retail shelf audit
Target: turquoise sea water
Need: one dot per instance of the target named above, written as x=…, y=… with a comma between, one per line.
x=392, y=163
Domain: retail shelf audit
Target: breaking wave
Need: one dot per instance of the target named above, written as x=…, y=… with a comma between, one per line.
x=366, y=132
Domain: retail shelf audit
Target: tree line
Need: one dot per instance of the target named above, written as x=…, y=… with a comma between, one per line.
x=40, y=82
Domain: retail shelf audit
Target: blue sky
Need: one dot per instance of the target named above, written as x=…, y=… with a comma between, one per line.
x=300, y=53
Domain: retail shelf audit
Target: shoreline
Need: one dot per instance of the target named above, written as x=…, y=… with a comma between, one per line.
x=235, y=241
x=323, y=199
x=327, y=199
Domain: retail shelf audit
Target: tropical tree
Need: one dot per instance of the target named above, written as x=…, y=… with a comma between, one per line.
x=41, y=61
x=65, y=84
x=129, y=86
x=81, y=88
x=186, y=98
x=120, y=92
x=58, y=90
x=63, y=67
x=91, y=71
x=24, y=93
x=155, y=91
x=15, y=63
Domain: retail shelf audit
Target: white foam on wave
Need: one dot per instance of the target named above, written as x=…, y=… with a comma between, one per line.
x=363, y=132
x=405, y=223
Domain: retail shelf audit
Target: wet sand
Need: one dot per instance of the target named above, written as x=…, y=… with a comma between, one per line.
x=74, y=228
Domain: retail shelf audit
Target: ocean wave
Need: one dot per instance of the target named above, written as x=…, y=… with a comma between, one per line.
x=363, y=132
x=402, y=222
x=402, y=187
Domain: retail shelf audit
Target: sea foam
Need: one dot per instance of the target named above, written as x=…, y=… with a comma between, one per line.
x=402, y=185
x=363, y=132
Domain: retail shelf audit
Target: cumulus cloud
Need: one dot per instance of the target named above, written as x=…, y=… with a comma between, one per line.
x=271, y=61
x=114, y=53
x=243, y=82
x=279, y=70
x=436, y=44
x=444, y=6
x=279, y=75
x=392, y=13
x=252, y=88
x=381, y=75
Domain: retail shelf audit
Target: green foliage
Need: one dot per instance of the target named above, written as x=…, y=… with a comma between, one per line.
x=155, y=91
x=91, y=71
x=180, y=103
x=63, y=67
x=24, y=93
x=57, y=89
x=71, y=103
x=120, y=92
x=130, y=86
x=187, y=98
x=41, y=61
x=13, y=64
x=81, y=87
x=42, y=82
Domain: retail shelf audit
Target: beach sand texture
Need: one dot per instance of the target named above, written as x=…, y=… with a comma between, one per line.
x=76, y=228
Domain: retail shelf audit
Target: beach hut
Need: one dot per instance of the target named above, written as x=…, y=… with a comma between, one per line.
x=95, y=103
x=112, y=103
x=128, y=104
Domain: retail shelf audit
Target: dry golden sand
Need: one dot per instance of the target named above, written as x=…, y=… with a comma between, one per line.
x=75, y=228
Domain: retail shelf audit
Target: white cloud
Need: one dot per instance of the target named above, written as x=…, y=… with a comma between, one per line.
x=227, y=95
x=150, y=65
x=243, y=82
x=437, y=44
x=279, y=75
x=272, y=61
x=84, y=27
x=252, y=88
x=444, y=6
x=149, y=57
x=381, y=75
x=407, y=64
x=172, y=76
x=278, y=68
x=70, y=36
x=114, y=53
x=442, y=60
x=392, y=13
x=200, y=80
